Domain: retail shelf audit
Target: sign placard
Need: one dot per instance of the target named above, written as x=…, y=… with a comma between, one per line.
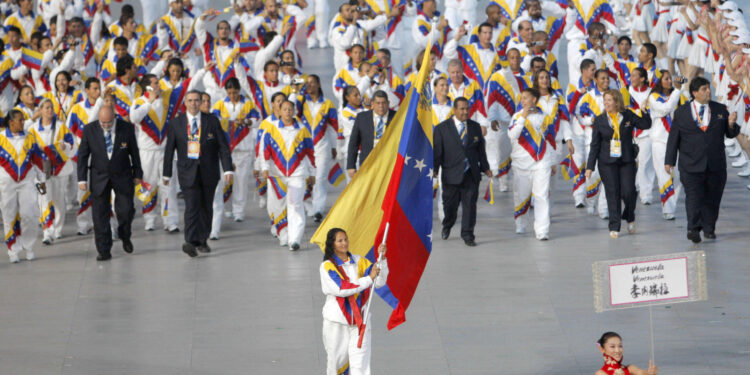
x=648, y=281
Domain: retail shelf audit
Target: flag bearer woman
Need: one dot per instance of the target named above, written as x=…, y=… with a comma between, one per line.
x=346, y=279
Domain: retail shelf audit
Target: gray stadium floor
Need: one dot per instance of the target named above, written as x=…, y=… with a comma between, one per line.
x=512, y=305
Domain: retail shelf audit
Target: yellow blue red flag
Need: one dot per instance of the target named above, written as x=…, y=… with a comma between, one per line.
x=393, y=185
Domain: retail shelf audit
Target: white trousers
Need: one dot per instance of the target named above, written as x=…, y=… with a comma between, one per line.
x=645, y=175
x=498, y=147
x=318, y=8
x=579, y=157
x=243, y=165
x=526, y=183
x=288, y=212
x=218, y=205
x=55, y=200
x=666, y=181
x=153, y=163
x=324, y=163
x=456, y=17
x=340, y=341
x=595, y=196
x=20, y=212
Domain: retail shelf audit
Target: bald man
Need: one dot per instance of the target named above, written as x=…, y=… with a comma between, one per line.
x=115, y=165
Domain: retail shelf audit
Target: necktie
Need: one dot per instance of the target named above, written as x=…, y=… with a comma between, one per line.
x=463, y=133
x=379, y=129
x=701, y=112
x=194, y=127
x=108, y=141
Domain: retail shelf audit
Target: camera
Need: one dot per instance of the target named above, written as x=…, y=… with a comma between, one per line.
x=298, y=81
x=680, y=79
x=363, y=9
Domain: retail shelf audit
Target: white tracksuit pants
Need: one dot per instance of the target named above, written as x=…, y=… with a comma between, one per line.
x=20, y=212
x=243, y=161
x=525, y=183
x=56, y=198
x=288, y=211
x=218, y=206
x=645, y=175
x=153, y=163
x=318, y=8
x=560, y=151
x=666, y=181
x=579, y=156
x=498, y=149
x=324, y=163
x=456, y=17
x=340, y=341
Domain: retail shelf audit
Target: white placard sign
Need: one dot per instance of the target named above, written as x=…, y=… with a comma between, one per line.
x=635, y=282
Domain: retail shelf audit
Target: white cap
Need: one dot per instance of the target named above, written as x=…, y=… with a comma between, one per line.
x=733, y=15
x=738, y=23
x=741, y=31
x=744, y=39
x=729, y=5
x=746, y=51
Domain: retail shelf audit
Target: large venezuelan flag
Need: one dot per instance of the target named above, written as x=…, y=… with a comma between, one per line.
x=394, y=185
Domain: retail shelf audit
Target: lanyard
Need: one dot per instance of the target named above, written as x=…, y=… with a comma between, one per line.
x=614, y=120
x=197, y=135
x=706, y=115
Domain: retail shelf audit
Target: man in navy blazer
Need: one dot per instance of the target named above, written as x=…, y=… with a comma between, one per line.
x=459, y=149
x=115, y=164
x=697, y=133
x=198, y=172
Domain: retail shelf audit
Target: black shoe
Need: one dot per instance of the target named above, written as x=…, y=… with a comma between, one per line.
x=709, y=235
x=189, y=249
x=204, y=248
x=317, y=217
x=694, y=236
x=103, y=257
x=446, y=233
x=295, y=246
x=214, y=238
x=127, y=246
x=470, y=243
x=47, y=241
x=580, y=205
x=180, y=195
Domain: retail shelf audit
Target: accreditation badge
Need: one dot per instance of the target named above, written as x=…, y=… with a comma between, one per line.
x=615, y=148
x=194, y=150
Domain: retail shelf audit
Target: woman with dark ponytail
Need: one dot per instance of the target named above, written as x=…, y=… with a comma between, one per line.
x=346, y=279
x=610, y=345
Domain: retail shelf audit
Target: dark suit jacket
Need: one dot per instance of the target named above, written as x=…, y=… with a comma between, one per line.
x=363, y=135
x=602, y=134
x=214, y=149
x=121, y=169
x=450, y=154
x=699, y=151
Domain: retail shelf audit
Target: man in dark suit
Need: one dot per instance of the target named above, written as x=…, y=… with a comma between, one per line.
x=369, y=126
x=698, y=132
x=200, y=145
x=115, y=165
x=459, y=150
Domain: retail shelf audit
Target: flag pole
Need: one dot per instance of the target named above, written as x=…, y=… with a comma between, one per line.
x=366, y=315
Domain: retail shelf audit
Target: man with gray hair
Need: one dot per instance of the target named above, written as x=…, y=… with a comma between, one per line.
x=115, y=164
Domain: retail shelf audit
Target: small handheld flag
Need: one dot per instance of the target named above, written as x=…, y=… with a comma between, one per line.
x=336, y=175
x=32, y=59
x=489, y=195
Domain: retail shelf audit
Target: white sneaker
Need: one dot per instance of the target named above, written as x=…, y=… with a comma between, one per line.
x=739, y=163
x=30, y=255
x=591, y=210
x=734, y=152
x=668, y=216
x=503, y=187
x=542, y=237
x=748, y=187
x=520, y=230
x=745, y=172
x=614, y=235
x=13, y=257
x=324, y=44
x=631, y=227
